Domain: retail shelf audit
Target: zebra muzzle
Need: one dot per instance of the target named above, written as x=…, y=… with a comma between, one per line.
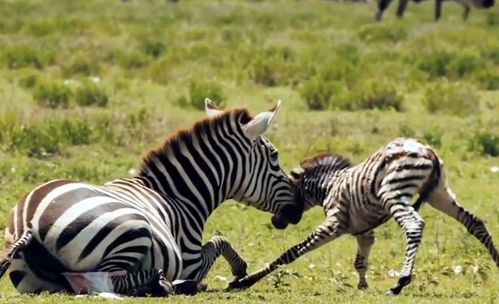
x=279, y=223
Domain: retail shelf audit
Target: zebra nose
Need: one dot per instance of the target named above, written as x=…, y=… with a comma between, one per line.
x=279, y=223
x=488, y=3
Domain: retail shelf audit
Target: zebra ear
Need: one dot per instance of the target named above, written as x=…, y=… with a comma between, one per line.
x=211, y=108
x=260, y=123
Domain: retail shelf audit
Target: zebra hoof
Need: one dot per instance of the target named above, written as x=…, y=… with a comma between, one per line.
x=241, y=272
x=202, y=286
x=390, y=293
x=362, y=286
x=238, y=284
x=185, y=287
x=161, y=288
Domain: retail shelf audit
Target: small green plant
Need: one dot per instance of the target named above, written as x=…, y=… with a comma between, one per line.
x=280, y=276
x=451, y=98
x=90, y=94
x=153, y=48
x=406, y=131
x=488, y=79
x=382, y=32
x=29, y=81
x=49, y=137
x=436, y=64
x=81, y=65
x=317, y=93
x=52, y=95
x=36, y=141
x=485, y=143
x=198, y=91
x=433, y=138
x=266, y=72
x=492, y=19
x=132, y=60
x=372, y=94
x=23, y=56
x=465, y=65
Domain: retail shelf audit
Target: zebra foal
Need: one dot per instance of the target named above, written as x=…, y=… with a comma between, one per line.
x=357, y=199
x=142, y=235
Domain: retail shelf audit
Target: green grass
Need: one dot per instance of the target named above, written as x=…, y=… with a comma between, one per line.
x=155, y=60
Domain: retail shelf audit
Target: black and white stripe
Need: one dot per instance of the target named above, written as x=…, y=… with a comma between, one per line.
x=357, y=199
x=466, y=4
x=150, y=226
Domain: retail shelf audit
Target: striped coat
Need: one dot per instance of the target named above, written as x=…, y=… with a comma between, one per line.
x=357, y=199
x=144, y=234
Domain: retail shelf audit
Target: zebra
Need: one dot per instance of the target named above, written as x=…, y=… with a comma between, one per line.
x=467, y=4
x=357, y=199
x=144, y=234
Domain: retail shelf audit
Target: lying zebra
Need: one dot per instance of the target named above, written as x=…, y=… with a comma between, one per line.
x=143, y=235
x=467, y=4
x=357, y=199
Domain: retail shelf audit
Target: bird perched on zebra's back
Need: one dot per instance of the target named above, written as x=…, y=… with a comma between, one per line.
x=357, y=199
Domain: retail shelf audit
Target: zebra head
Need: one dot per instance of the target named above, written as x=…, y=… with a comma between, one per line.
x=263, y=184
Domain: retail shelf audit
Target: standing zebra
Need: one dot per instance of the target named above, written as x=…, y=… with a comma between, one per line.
x=357, y=199
x=143, y=235
x=467, y=4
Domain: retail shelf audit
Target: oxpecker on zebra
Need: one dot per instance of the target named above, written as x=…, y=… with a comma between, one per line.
x=357, y=199
x=143, y=235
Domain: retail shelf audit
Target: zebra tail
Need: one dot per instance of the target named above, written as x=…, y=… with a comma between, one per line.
x=18, y=246
x=431, y=184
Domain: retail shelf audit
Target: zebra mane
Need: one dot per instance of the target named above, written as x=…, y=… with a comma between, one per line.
x=324, y=161
x=309, y=174
x=202, y=126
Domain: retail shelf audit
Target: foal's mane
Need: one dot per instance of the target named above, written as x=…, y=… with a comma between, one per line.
x=200, y=127
x=324, y=160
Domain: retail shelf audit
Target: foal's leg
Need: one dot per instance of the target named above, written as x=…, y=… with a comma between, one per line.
x=438, y=9
x=401, y=8
x=382, y=6
x=365, y=242
x=413, y=225
x=444, y=200
x=326, y=232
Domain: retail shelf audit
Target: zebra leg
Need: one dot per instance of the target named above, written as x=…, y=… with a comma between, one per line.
x=401, y=8
x=382, y=6
x=466, y=12
x=365, y=242
x=444, y=200
x=438, y=9
x=141, y=283
x=326, y=232
x=413, y=226
x=216, y=246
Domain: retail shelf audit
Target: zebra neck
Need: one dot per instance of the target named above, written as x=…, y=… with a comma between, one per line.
x=199, y=185
x=314, y=190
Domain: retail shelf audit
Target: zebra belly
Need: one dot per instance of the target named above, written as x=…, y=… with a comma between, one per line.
x=362, y=223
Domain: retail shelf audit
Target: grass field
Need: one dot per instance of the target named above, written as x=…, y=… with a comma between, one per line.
x=88, y=87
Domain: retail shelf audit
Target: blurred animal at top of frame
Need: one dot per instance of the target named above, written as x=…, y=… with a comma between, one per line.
x=143, y=235
x=467, y=4
x=357, y=199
